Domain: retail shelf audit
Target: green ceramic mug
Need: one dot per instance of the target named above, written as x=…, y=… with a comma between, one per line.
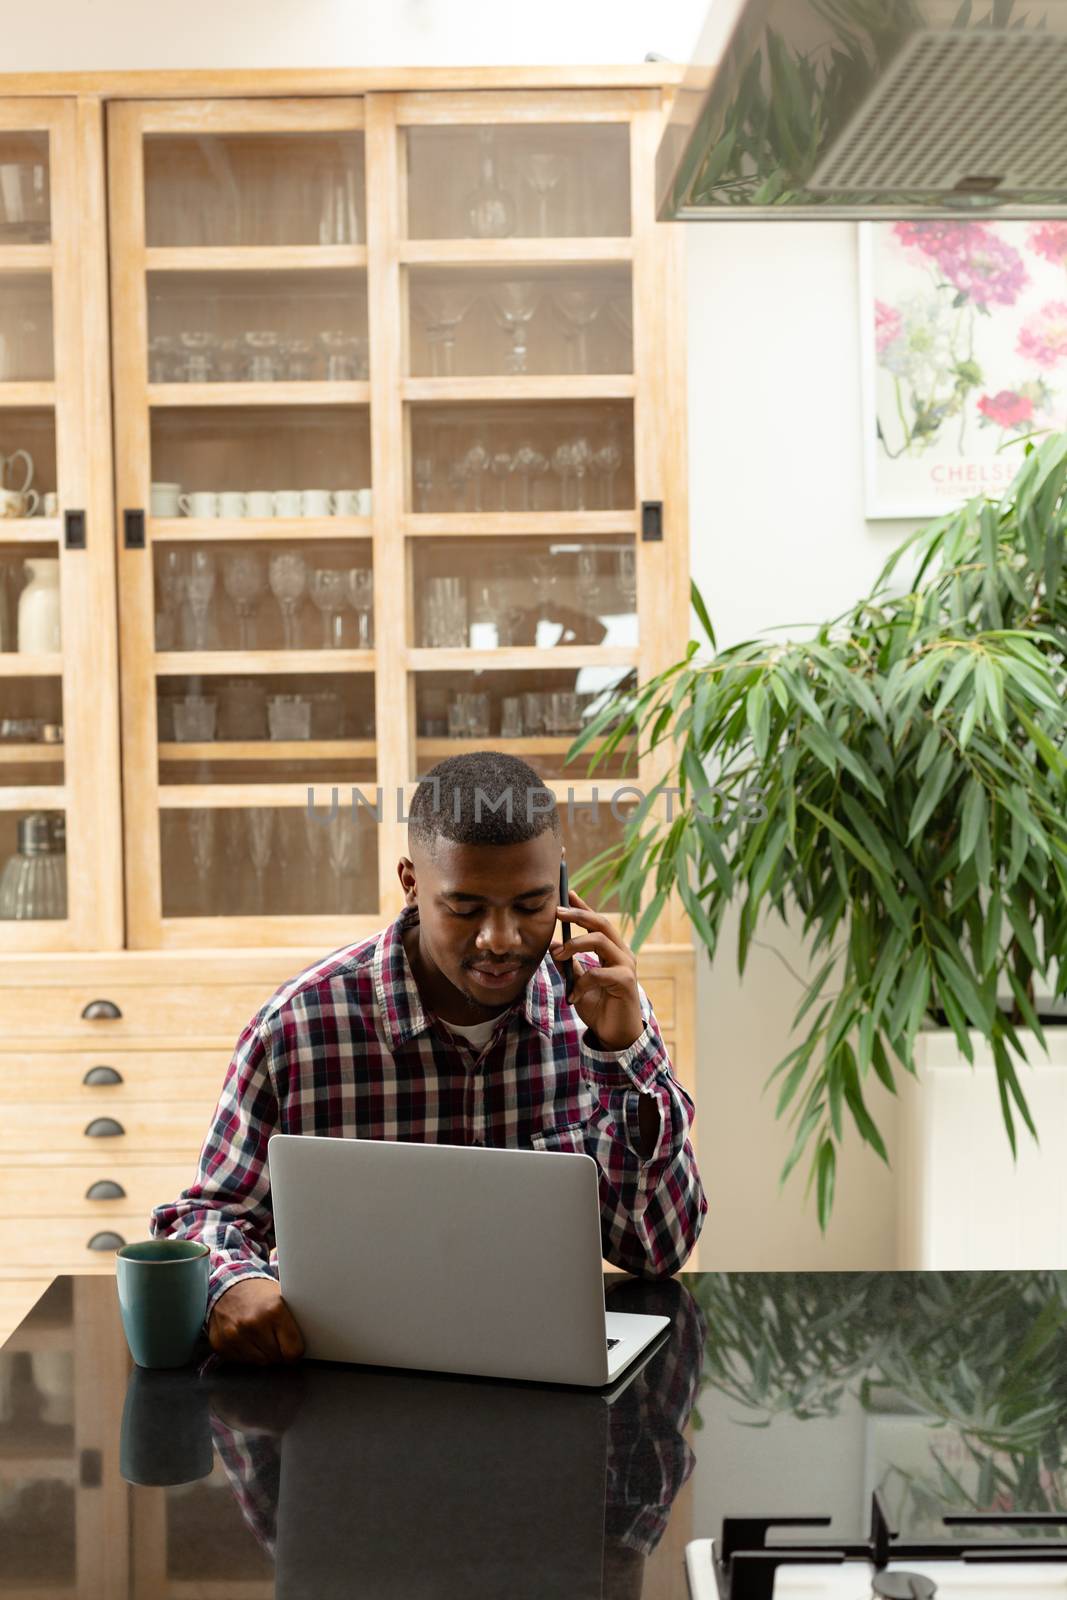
x=163, y=1285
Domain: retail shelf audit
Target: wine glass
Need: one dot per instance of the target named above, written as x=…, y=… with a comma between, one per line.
x=442, y=309
x=201, y=823
x=198, y=365
x=260, y=829
x=245, y=582
x=328, y=589
x=500, y=467
x=514, y=305
x=581, y=459
x=360, y=589
x=542, y=171
x=170, y=572
x=264, y=362
x=337, y=344
x=423, y=470
x=341, y=848
x=563, y=466
x=626, y=567
x=524, y=464
x=577, y=308
x=607, y=461
x=199, y=589
x=474, y=467
x=288, y=584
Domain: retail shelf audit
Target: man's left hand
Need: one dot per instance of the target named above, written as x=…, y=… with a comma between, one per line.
x=605, y=996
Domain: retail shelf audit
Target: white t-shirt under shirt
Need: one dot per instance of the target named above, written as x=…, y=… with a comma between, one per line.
x=479, y=1033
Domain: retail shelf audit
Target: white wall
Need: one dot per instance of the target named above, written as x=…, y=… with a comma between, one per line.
x=778, y=533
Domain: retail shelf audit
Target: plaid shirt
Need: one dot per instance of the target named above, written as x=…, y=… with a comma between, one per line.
x=347, y=1049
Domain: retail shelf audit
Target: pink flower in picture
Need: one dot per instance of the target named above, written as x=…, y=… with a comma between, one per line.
x=886, y=325
x=1043, y=337
x=980, y=266
x=1049, y=239
x=1008, y=408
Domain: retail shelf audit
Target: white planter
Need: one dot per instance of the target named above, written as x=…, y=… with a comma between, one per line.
x=962, y=1201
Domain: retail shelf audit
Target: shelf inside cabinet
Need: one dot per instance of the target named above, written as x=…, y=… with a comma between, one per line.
x=296, y=529
x=185, y=662
x=30, y=754
x=27, y=394
x=512, y=252
x=25, y=258
x=30, y=530
x=255, y=258
x=427, y=658
x=33, y=797
x=282, y=393
x=521, y=524
x=265, y=749
x=521, y=386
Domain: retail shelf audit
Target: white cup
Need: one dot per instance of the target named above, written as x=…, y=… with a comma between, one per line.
x=259, y=503
x=366, y=503
x=50, y=504
x=202, y=503
x=18, y=502
x=231, y=503
x=288, y=503
x=346, y=503
x=163, y=499
x=315, y=502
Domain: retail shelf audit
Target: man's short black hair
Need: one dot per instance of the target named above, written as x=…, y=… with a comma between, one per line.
x=481, y=797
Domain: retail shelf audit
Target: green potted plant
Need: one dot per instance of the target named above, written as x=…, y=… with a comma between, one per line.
x=899, y=780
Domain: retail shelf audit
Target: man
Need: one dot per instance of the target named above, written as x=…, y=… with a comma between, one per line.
x=451, y=1027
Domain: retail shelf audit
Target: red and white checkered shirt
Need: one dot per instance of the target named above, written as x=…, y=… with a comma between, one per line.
x=346, y=1049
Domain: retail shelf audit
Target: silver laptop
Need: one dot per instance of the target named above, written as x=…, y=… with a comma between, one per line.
x=447, y=1259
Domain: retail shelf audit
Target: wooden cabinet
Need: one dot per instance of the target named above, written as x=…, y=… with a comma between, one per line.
x=378, y=456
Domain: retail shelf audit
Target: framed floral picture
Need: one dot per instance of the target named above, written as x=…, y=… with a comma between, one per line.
x=964, y=341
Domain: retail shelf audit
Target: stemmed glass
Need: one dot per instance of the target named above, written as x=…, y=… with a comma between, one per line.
x=340, y=363
x=201, y=822
x=526, y=463
x=341, y=843
x=442, y=309
x=199, y=588
x=542, y=171
x=360, y=589
x=474, y=466
x=260, y=829
x=265, y=359
x=581, y=459
x=514, y=305
x=288, y=583
x=328, y=587
x=577, y=308
x=627, y=571
x=607, y=461
x=171, y=574
x=563, y=465
x=501, y=466
x=313, y=835
x=423, y=470
x=245, y=582
x=198, y=365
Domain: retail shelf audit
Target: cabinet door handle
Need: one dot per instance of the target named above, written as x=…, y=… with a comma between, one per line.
x=105, y=1189
x=104, y=1128
x=105, y=1241
x=101, y=1011
x=96, y=1077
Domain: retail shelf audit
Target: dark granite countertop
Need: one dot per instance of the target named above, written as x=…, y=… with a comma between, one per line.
x=787, y=1393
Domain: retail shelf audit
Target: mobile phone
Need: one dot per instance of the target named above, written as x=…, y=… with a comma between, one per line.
x=567, y=965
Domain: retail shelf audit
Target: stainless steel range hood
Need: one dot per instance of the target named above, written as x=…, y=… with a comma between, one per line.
x=871, y=109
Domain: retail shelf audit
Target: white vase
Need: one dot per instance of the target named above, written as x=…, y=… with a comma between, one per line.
x=38, y=624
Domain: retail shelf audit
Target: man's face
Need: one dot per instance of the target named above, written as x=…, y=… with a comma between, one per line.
x=487, y=913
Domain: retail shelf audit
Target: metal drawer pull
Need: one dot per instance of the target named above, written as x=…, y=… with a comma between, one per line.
x=101, y=1011
x=106, y=1241
x=97, y=1076
x=105, y=1189
x=104, y=1128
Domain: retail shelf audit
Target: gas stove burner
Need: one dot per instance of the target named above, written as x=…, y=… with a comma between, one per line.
x=903, y=1586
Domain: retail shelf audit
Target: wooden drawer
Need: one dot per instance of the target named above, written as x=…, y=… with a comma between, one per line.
x=61, y=1244
x=169, y=1012
x=39, y=1130
x=62, y=1191
x=146, y=1075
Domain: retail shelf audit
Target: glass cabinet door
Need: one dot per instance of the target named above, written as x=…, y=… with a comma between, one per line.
x=526, y=450
x=242, y=382
x=60, y=853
